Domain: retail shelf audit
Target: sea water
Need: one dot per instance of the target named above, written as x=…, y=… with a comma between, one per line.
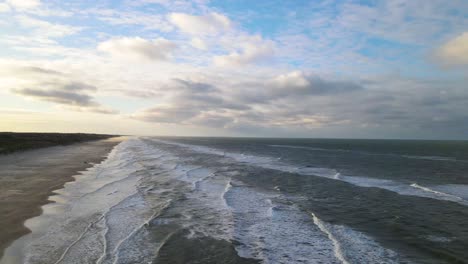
x=228, y=200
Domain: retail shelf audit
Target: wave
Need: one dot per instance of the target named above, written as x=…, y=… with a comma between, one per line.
x=271, y=163
x=264, y=228
x=435, y=158
x=336, y=245
x=350, y=246
x=266, y=222
x=110, y=212
x=426, y=189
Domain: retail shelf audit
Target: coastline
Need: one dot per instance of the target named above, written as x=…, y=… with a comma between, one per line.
x=28, y=178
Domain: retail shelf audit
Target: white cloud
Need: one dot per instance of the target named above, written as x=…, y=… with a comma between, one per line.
x=148, y=21
x=455, y=51
x=46, y=29
x=252, y=51
x=200, y=25
x=24, y=4
x=4, y=7
x=292, y=79
x=199, y=44
x=137, y=48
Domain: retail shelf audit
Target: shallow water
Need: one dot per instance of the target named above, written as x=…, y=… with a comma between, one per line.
x=160, y=200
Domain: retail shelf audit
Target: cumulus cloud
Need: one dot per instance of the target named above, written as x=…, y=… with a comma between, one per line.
x=252, y=50
x=304, y=101
x=213, y=105
x=455, y=51
x=302, y=84
x=296, y=85
x=211, y=23
x=55, y=87
x=137, y=48
x=189, y=102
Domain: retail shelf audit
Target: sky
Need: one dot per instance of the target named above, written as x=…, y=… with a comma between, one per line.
x=317, y=68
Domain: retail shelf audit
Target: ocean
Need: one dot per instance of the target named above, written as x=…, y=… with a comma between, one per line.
x=251, y=200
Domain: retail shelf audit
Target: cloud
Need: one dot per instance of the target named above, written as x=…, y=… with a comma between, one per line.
x=46, y=29
x=455, y=51
x=24, y=4
x=252, y=49
x=63, y=94
x=165, y=114
x=4, y=7
x=199, y=44
x=137, y=48
x=250, y=54
x=300, y=71
x=73, y=95
x=148, y=21
x=300, y=84
x=206, y=104
x=189, y=102
x=299, y=101
x=55, y=87
x=211, y=23
x=34, y=70
x=397, y=20
x=295, y=85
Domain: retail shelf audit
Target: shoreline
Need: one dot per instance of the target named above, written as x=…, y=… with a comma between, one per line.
x=29, y=178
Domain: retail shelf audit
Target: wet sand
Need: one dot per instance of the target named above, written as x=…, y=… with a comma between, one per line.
x=28, y=178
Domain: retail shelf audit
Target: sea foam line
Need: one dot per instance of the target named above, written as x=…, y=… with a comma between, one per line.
x=156, y=214
x=223, y=194
x=426, y=189
x=336, y=244
x=65, y=252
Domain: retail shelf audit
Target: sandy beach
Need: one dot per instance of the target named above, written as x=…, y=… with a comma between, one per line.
x=28, y=178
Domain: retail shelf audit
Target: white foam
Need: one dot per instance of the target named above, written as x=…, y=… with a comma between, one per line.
x=207, y=208
x=458, y=190
x=442, y=194
x=275, y=233
x=351, y=246
x=272, y=230
x=336, y=245
x=439, y=239
x=435, y=158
